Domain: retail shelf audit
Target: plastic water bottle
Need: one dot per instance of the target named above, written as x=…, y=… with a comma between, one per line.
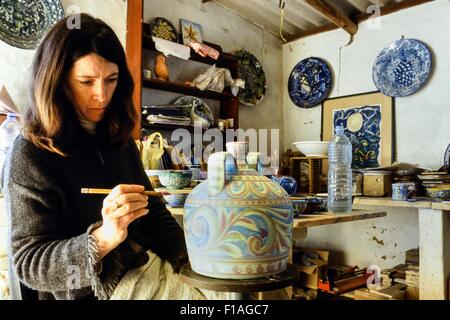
x=9, y=129
x=340, y=173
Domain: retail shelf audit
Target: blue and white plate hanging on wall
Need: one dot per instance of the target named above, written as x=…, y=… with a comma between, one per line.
x=402, y=68
x=309, y=82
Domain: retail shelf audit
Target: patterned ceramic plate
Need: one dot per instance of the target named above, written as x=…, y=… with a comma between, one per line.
x=23, y=23
x=402, y=68
x=310, y=82
x=162, y=28
x=251, y=71
x=200, y=111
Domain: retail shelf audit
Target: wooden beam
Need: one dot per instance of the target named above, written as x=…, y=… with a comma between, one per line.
x=306, y=33
x=134, y=56
x=335, y=16
x=392, y=8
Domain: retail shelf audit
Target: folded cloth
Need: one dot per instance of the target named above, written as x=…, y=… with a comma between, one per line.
x=172, y=48
x=156, y=281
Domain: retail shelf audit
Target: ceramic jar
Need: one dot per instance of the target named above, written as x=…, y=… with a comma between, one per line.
x=237, y=223
x=288, y=183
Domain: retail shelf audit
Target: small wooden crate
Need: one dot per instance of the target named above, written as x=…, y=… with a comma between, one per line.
x=313, y=183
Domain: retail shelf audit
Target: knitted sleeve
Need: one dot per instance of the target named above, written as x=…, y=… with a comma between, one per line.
x=44, y=256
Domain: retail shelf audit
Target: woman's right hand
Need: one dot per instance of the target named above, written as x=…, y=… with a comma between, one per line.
x=123, y=205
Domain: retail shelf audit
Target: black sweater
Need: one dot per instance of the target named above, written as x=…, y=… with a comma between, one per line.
x=51, y=220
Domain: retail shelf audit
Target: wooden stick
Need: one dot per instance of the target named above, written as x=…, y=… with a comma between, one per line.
x=107, y=191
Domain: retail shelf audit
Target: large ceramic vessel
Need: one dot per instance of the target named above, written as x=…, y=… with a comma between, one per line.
x=238, y=224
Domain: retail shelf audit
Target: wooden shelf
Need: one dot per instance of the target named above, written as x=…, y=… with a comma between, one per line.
x=188, y=90
x=225, y=59
x=388, y=202
x=320, y=219
x=137, y=40
x=171, y=127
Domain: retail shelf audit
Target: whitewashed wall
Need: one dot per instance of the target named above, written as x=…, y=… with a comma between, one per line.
x=15, y=63
x=422, y=120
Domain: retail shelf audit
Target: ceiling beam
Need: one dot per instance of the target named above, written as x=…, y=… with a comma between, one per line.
x=335, y=16
x=392, y=8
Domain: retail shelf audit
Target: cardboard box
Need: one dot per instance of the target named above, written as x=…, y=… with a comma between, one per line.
x=313, y=265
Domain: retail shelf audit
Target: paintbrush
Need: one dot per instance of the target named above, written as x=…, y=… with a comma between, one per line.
x=107, y=191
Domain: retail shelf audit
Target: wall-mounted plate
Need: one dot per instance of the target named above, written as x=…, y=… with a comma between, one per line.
x=251, y=71
x=161, y=28
x=402, y=68
x=309, y=82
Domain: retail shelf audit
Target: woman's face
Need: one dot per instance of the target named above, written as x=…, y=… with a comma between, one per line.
x=90, y=86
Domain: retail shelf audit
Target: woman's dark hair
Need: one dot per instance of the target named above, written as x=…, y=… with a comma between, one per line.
x=48, y=122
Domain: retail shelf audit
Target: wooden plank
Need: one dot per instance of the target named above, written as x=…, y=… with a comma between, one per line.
x=134, y=57
x=187, y=90
x=306, y=221
x=335, y=16
x=445, y=206
x=388, y=202
x=319, y=219
x=311, y=32
x=392, y=8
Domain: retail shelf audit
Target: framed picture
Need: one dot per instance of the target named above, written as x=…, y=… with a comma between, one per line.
x=190, y=31
x=367, y=119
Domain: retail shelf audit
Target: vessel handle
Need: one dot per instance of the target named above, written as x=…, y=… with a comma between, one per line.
x=219, y=164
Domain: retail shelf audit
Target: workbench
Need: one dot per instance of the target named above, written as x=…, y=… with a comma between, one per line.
x=434, y=242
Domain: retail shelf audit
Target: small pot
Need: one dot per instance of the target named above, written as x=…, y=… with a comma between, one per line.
x=404, y=190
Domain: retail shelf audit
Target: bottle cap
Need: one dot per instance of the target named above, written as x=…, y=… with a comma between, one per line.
x=339, y=129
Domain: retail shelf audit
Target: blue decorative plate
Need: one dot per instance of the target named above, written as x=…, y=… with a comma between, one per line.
x=309, y=82
x=23, y=23
x=402, y=68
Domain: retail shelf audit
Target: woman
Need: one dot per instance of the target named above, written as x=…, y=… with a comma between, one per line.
x=77, y=134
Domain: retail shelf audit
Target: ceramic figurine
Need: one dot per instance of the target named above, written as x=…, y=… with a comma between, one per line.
x=237, y=223
x=161, y=68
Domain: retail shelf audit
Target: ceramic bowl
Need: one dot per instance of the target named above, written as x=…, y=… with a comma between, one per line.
x=175, y=200
x=312, y=148
x=404, y=190
x=175, y=179
x=153, y=177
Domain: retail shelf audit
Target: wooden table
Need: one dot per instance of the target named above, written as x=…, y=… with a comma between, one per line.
x=319, y=219
x=302, y=223
x=434, y=242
